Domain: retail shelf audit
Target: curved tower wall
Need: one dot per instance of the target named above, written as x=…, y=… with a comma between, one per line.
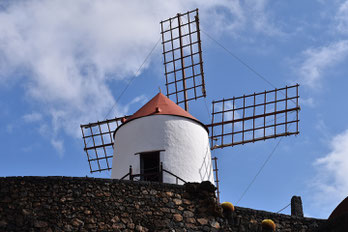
x=184, y=146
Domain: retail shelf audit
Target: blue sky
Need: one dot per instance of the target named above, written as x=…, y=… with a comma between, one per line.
x=65, y=64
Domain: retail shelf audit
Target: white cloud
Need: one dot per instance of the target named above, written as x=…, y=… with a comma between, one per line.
x=140, y=99
x=321, y=126
x=331, y=183
x=33, y=117
x=317, y=60
x=50, y=135
x=238, y=16
x=260, y=20
x=307, y=102
x=228, y=17
x=66, y=53
x=342, y=18
x=59, y=146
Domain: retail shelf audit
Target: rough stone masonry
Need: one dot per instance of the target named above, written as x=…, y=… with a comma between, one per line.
x=90, y=204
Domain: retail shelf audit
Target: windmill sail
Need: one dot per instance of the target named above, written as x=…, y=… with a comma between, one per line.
x=255, y=117
x=98, y=141
x=182, y=52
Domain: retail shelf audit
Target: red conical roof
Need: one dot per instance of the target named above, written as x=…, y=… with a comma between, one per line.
x=160, y=105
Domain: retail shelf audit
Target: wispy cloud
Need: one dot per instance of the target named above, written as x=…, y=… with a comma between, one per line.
x=32, y=117
x=307, y=102
x=342, y=18
x=237, y=17
x=331, y=179
x=260, y=19
x=66, y=54
x=59, y=146
x=317, y=60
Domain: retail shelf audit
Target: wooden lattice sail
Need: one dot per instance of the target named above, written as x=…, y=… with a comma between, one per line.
x=182, y=53
x=255, y=117
x=98, y=143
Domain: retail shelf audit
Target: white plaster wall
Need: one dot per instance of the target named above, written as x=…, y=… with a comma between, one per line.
x=186, y=145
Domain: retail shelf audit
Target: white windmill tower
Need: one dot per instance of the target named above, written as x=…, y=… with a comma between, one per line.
x=164, y=142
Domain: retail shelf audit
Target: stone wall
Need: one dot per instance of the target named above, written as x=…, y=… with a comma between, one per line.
x=89, y=204
x=250, y=220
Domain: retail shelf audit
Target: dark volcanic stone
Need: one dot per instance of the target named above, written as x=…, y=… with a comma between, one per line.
x=91, y=204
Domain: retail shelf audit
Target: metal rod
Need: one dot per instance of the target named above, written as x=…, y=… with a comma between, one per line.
x=188, y=12
x=95, y=149
x=171, y=36
x=257, y=139
x=275, y=109
x=187, y=66
x=191, y=55
x=243, y=122
x=101, y=158
x=100, y=170
x=131, y=173
x=264, y=112
x=84, y=141
x=223, y=119
x=254, y=118
x=188, y=99
x=286, y=107
x=298, y=107
x=212, y=128
x=125, y=176
x=98, y=146
x=102, y=122
x=251, y=106
x=164, y=59
x=174, y=38
x=182, y=63
x=179, y=91
x=174, y=175
x=233, y=102
x=260, y=93
x=217, y=179
x=105, y=153
x=110, y=133
x=200, y=53
x=103, y=133
x=161, y=172
x=257, y=128
x=251, y=117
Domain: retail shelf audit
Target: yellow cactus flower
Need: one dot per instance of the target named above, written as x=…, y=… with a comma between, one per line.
x=227, y=206
x=268, y=224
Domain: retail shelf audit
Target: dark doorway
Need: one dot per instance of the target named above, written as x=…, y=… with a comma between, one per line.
x=150, y=166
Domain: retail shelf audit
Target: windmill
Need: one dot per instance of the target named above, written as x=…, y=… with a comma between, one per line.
x=234, y=121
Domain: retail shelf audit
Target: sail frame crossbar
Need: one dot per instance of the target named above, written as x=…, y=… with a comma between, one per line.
x=254, y=117
x=98, y=138
x=182, y=54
